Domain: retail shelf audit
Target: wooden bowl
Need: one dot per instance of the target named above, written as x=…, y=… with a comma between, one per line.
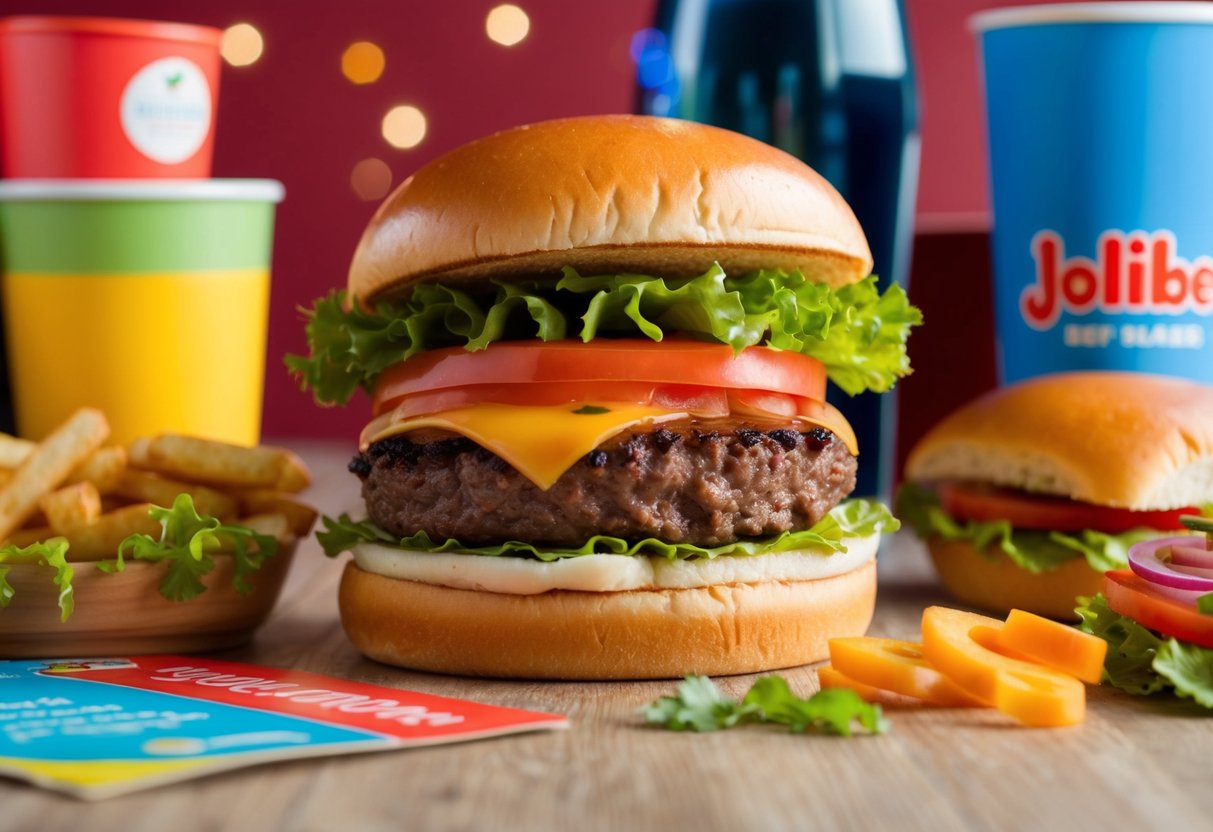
x=124, y=613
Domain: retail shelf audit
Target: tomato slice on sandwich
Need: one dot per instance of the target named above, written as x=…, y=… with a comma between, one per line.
x=1134, y=597
x=1036, y=511
x=600, y=370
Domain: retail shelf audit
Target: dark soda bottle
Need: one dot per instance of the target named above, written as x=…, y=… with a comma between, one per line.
x=829, y=81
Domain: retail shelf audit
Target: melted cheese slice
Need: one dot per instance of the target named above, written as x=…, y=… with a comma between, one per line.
x=609, y=573
x=540, y=442
x=544, y=442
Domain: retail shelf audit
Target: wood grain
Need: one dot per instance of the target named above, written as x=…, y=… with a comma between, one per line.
x=1134, y=764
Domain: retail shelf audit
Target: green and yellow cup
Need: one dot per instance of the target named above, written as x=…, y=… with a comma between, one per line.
x=147, y=299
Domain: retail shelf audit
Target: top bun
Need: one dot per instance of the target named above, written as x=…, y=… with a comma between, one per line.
x=609, y=194
x=1128, y=440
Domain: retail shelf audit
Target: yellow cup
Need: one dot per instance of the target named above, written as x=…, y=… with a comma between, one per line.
x=148, y=300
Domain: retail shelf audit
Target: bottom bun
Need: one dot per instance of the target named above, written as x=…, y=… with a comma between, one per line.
x=636, y=634
x=998, y=585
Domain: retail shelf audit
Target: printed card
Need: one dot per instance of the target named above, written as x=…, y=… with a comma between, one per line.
x=100, y=727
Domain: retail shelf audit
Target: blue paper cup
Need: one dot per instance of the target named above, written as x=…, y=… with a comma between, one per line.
x=1100, y=123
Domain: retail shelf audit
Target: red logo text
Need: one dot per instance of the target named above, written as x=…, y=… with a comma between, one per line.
x=1134, y=272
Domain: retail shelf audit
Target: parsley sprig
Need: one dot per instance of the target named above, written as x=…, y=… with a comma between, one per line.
x=698, y=705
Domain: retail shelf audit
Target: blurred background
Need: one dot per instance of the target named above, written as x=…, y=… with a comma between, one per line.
x=342, y=101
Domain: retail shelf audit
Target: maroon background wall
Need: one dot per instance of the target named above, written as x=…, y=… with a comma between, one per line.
x=294, y=117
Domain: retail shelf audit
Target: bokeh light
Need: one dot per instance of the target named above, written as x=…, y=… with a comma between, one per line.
x=242, y=44
x=362, y=62
x=655, y=72
x=404, y=126
x=507, y=24
x=371, y=179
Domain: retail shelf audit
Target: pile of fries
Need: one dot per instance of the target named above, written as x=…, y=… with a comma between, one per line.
x=74, y=486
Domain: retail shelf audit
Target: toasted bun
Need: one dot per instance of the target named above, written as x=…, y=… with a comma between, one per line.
x=1128, y=440
x=993, y=582
x=724, y=629
x=609, y=193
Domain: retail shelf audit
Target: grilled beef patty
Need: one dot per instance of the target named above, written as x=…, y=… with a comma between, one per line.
x=676, y=483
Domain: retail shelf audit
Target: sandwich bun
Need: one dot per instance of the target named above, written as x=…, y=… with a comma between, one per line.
x=618, y=193
x=1128, y=440
x=637, y=634
x=1123, y=440
x=992, y=581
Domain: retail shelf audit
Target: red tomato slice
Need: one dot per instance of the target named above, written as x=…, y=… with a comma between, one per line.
x=699, y=401
x=1134, y=597
x=672, y=361
x=1036, y=511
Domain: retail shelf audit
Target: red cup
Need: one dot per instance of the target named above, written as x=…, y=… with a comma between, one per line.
x=96, y=97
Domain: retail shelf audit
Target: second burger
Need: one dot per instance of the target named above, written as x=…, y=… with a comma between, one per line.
x=1029, y=494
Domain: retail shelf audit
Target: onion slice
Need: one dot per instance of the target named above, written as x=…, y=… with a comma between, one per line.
x=1151, y=560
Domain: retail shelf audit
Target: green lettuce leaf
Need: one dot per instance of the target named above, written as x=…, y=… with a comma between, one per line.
x=50, y=553
x=1142, y=663
x=698, y=705
x=1030, y=549
x=1189, y=669
x=852, y=518
x=1129, y=665
x=185, y=543
x=857, y=332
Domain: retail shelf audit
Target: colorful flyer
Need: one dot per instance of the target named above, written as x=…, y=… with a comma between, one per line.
x=96, y=728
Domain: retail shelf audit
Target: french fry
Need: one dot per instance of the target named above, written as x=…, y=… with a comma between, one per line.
x=101, y=539
x=277, y=526
x=49, y=465
x=145, y=487
x=104, y=469
x=14, y=451
x=300, y=516
x=221, y=464
x=71, y=507
x=35, y=533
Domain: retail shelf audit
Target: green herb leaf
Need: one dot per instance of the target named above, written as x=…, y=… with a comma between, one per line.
x=1035, y=551
x=849, y=519
x=858, y=332
x=185, y=543
x=698, y=705
x=49, y=553
x=1201, y=523
x=1204, y=604
x=591, y=410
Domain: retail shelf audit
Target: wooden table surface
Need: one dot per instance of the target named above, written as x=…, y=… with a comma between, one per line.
x=1135, y=764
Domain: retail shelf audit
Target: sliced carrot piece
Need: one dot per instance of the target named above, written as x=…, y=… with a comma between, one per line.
x=896, y=666
x=1030, y=693
x=1055, y=645
x=831, y=677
